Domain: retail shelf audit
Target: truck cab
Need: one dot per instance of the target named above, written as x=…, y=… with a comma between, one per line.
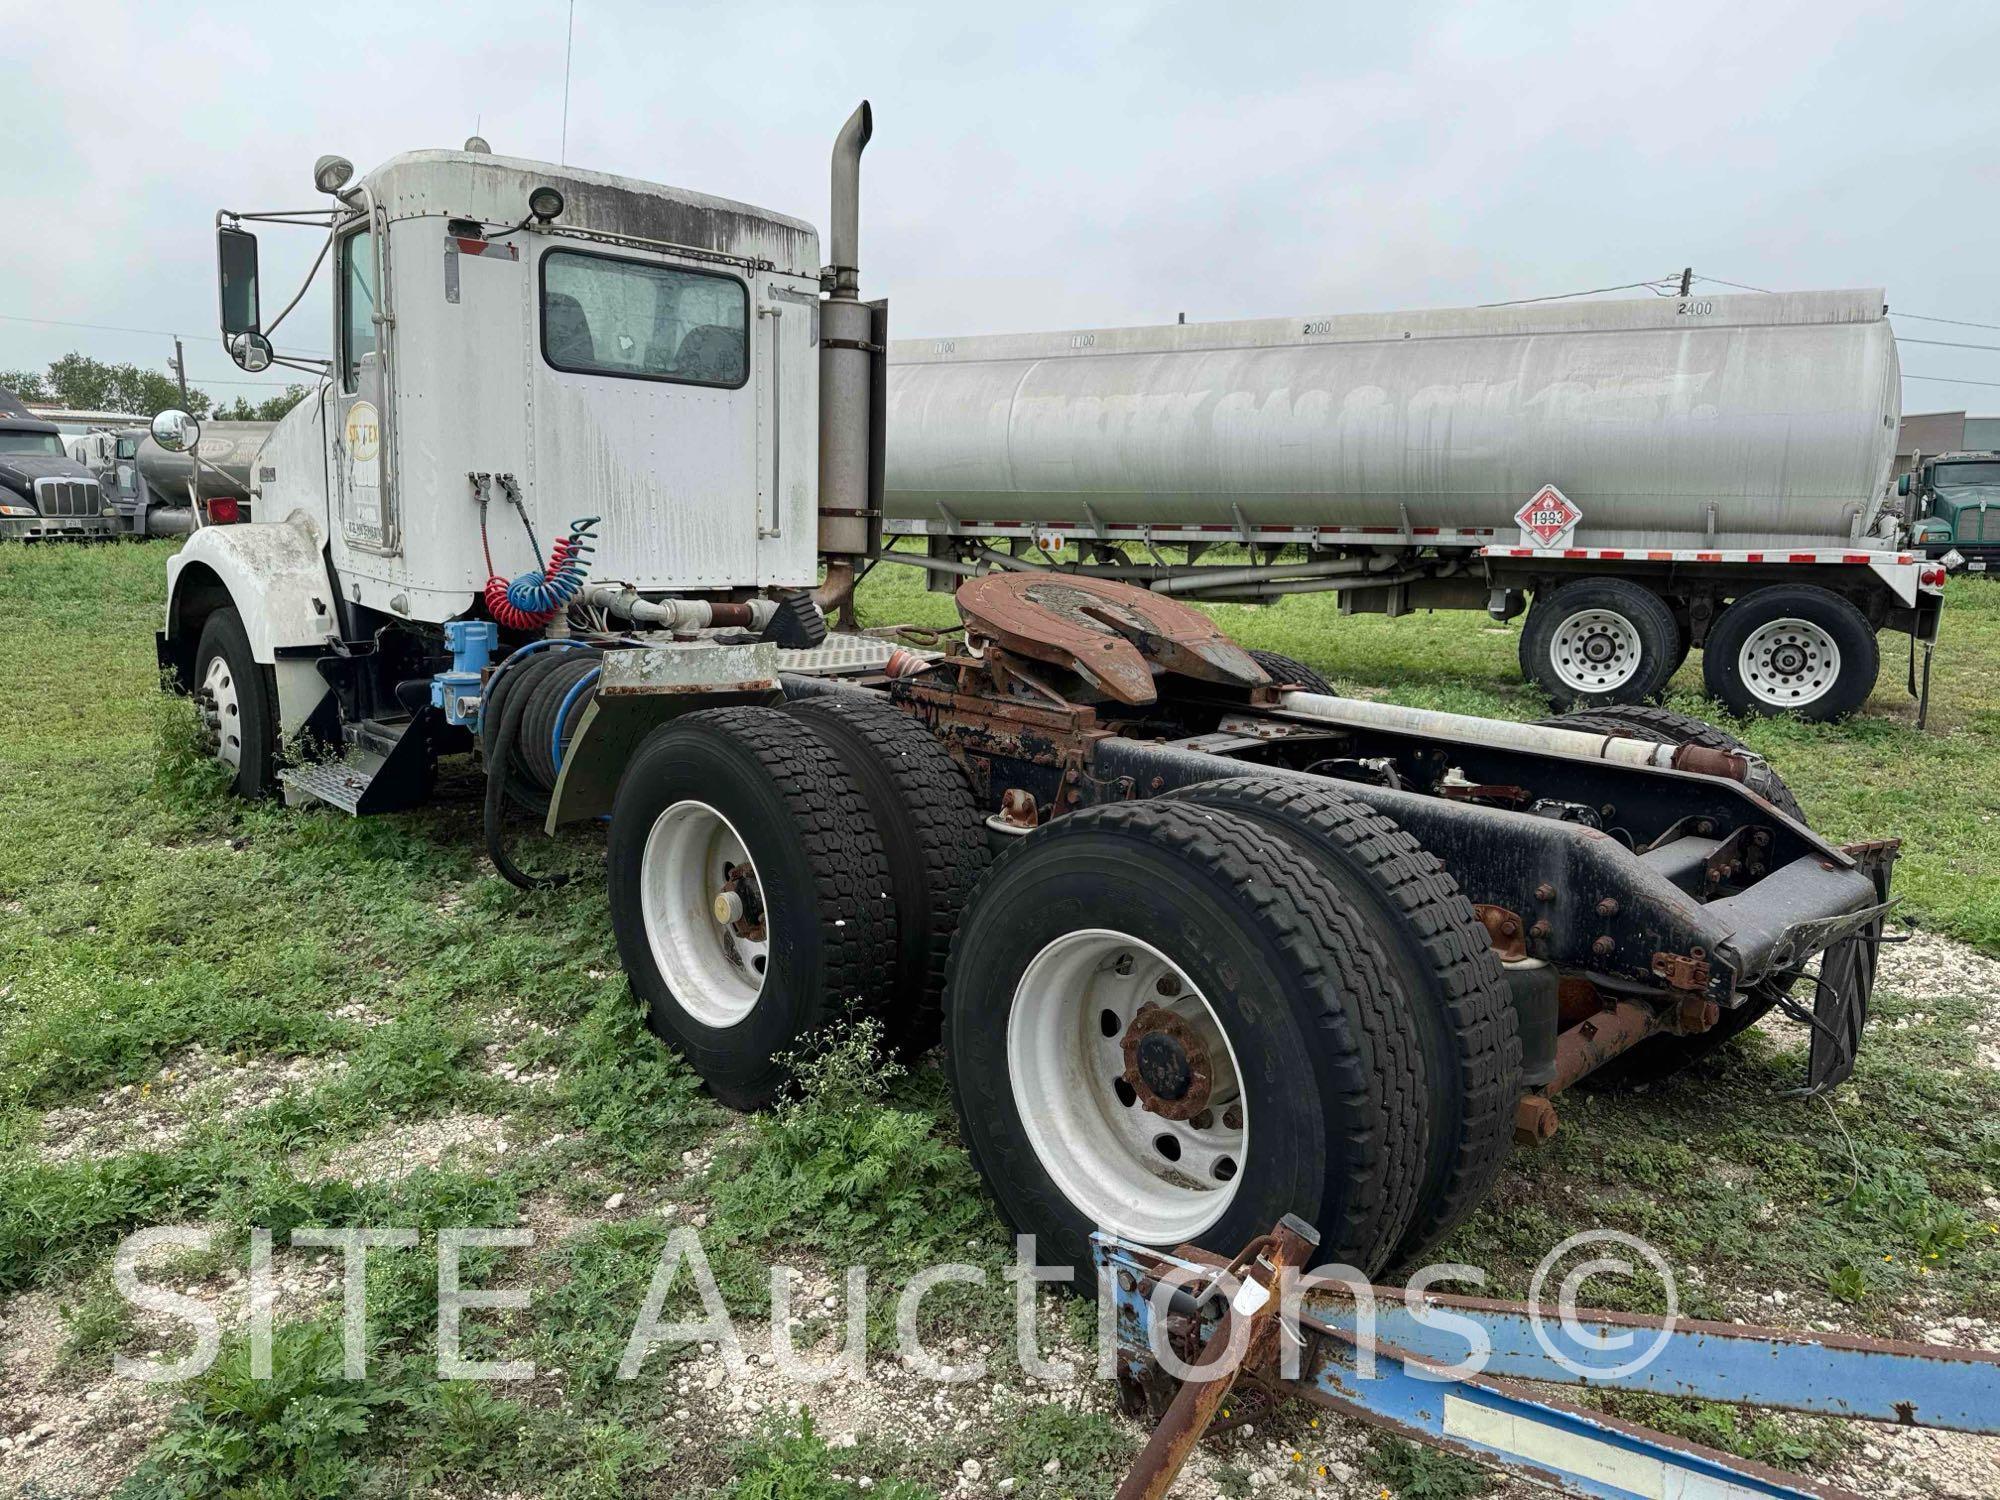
x=539, y=373
x=1955, y=514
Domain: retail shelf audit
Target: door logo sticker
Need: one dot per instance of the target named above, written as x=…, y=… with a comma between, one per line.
x=364, y=432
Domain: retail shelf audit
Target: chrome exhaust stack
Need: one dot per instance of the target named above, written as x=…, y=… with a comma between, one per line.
x=851, y=379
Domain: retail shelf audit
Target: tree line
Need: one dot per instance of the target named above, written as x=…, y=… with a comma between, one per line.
x=77, y=380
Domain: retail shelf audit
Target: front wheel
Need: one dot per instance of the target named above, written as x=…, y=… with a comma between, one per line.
x=1600, y=640
x=1158, y=1023
x=238, y=702
x=1792, y=648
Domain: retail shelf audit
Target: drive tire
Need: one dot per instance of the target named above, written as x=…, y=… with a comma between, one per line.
x=223, y=649
x=1625, y=619
x=820, y=868
x=1331, y=1071
x=1290, y=671
x=1820, y=618
x=1445, y=971
x=932, y=836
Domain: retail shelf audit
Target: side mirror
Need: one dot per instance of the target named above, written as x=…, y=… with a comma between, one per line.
x=236, y=272
x=1902, y=480
x=251, y=351
x=176, y=431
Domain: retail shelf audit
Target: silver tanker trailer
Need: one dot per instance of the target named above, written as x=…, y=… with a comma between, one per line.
x=1642, y=477
x=147, y=486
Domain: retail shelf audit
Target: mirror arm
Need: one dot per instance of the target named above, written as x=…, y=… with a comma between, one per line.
x=318, y=260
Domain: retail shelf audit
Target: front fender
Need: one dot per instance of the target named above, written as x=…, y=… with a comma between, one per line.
x=274, y=574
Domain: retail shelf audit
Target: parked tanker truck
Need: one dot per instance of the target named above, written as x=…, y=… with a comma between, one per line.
x=154, y=491
x=593, y=461
x=1642, y=477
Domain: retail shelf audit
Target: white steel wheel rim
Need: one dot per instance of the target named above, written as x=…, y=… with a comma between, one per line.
x=714, y=971
x=1103, y=1152
x=222, y=711
x=1789, y=663
x=1595, y=651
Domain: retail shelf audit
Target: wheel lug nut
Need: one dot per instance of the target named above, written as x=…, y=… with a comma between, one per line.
x=1167, y=985
x=1232, y=1117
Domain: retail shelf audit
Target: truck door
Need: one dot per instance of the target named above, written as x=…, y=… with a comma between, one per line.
x=361, y=495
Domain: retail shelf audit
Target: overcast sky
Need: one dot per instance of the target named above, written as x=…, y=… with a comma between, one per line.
x=1058, y=166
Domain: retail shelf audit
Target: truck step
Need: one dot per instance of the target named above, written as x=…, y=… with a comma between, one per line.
x=386, y=769
x=339, y=783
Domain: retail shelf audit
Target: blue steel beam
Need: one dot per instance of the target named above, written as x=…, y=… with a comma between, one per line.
x=1486, y=1416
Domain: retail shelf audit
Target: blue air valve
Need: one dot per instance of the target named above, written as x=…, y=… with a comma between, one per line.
x=457, y=692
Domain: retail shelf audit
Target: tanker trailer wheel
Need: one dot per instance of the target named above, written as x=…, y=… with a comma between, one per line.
x=1445, y=974
x=1792, y=647
x=1289, y=671
x=237, y=699
x=1158, y=1022
x=932, y=835
x=1600, y=640
x=1661, y=1057
x=749, y=893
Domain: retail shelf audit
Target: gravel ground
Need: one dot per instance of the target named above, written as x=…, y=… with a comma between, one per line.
x=72, y=1428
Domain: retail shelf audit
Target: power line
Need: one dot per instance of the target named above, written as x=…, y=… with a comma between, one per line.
x=1947, y=344
x=1957, y=322
x=162, y=333
x=1590, y=292
x=1950, y=380
x=1739, y=286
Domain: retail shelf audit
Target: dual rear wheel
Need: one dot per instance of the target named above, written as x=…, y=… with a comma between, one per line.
x=1177, y=1019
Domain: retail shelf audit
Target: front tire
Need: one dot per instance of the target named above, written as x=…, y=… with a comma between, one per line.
x=1600, y=640
x=1252, y=1003
x=1792, y=648
x=237, y=697
x=749, y=894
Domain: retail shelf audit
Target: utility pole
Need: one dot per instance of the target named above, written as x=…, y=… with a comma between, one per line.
x=1687, y=279
x=180, y=371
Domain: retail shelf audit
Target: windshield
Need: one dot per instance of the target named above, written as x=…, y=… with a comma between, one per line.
x=47, y=444
x=1964, y=476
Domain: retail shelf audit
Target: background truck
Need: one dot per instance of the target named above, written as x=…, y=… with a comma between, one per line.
x=1955, y=509
x=1209, y=945
x=152, y=491
x=44, y=493
x=1645, y=477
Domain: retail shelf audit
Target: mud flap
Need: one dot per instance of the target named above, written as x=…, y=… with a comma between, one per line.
x=1842, y=991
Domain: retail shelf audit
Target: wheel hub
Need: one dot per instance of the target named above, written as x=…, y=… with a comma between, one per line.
x=703, y=910
x=1127, y=1085
x=1167, y=1064
x=1789, y=663
x=1596, y=651
x=221, y=713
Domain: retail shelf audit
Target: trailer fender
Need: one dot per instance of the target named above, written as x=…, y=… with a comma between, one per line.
x=274, y=574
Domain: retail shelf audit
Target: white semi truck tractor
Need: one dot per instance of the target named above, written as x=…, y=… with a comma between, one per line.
x=591, y=462
x=1643, y=477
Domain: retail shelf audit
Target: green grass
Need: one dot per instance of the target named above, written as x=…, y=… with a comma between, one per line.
x=143, y=914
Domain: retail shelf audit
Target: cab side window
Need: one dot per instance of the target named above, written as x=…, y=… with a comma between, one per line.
x=357, y=305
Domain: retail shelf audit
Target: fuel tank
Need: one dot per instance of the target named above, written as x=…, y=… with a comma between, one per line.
x=1669, y=421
